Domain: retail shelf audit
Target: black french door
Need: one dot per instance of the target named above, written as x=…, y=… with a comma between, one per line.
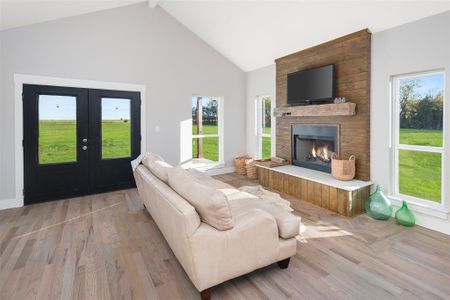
x=78, y=141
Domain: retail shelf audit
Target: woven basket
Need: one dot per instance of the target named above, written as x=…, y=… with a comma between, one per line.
x=343, y=169
x=252, y=170
x=241, y=164
x=271, y=163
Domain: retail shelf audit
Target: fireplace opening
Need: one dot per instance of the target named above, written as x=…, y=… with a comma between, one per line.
x=314, y=146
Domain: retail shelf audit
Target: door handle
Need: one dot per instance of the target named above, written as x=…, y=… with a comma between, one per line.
x=84, y=148
x=85, y=140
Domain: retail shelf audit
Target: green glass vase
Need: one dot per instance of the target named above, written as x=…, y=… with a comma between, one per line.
x=404, y=216
x=378, y=205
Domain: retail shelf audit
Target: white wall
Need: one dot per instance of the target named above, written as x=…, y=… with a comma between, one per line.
x=419, y=46
x=133, y=44
x=260, y=82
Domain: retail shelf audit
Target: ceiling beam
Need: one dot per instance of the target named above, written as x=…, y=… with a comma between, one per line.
x=153, y=3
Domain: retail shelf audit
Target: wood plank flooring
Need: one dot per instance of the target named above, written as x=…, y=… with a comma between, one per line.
x=107, y=247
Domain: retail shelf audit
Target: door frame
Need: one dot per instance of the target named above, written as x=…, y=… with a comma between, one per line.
x=21, y=79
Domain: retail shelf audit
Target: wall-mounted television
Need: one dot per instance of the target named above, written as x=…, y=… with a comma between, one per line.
x=312, y=86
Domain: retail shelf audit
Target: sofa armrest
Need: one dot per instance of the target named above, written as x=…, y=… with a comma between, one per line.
x=288, y=223
x=218, y=256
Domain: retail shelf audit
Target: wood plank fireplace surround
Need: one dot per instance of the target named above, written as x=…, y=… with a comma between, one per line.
x=329, y=127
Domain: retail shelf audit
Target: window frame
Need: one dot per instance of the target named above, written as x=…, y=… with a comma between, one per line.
x=259, y=134
x=220, y=131
x=396, y=146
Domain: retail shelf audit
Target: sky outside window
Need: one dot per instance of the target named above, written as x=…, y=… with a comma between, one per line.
x=428, y=85
x=59, y=108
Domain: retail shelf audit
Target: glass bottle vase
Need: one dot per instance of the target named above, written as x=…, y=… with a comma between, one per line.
x=404, y=216
x=378, y=205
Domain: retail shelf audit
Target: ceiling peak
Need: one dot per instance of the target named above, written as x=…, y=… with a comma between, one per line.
x=153, y=3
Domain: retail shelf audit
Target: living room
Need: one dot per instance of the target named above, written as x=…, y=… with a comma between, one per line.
x=224, y=149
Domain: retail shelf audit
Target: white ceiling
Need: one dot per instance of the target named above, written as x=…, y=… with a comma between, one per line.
x=250, y=33
x=253, y=33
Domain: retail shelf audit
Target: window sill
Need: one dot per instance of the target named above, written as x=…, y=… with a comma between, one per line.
x=422, y=208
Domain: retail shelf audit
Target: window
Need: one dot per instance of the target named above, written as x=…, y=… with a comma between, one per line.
x=57, y=129
x=116, y=128
x=206, y=129
x=264, y=121
x=418, y=137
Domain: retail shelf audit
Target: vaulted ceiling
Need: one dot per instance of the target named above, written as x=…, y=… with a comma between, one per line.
x=253, y=33
x=249, y=33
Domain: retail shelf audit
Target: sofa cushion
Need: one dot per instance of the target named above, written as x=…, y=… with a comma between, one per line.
x=203, y=178
x=287, y=223
x=211, y=205
x=148, y=157
x=160, y=169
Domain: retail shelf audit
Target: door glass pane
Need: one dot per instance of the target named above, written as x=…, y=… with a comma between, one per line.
x=57, y=129
x=204, y=110
x=420, y=174
x=421, y=110
x=206, y=148
x=116, y=128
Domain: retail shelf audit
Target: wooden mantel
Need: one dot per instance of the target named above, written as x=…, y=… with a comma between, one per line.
x=324, y=110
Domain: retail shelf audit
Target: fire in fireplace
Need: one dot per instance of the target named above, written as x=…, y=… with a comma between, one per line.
x=320, y=151
x=313, y=146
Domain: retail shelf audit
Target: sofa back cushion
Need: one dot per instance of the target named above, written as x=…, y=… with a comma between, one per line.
x=211, y=205
x=149, y=157
x=160, y=169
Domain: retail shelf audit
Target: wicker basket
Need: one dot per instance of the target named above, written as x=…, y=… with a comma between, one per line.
x=270, y=163
x=241, y=164
x=252, y=170
x=343, y=169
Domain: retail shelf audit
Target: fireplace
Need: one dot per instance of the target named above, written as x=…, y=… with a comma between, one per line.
x=314, y=145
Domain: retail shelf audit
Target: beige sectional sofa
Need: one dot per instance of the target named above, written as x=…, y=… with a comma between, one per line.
x=257, y=235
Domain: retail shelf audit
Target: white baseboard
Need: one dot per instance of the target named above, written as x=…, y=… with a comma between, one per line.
x=220, y=171
x=10, y=203
x=434, y=222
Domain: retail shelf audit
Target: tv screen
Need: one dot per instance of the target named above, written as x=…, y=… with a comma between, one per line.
x=311, y=86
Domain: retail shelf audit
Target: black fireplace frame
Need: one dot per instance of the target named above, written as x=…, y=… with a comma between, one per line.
x=314, y=131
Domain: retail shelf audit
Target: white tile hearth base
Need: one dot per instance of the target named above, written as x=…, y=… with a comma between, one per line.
x=321, y=177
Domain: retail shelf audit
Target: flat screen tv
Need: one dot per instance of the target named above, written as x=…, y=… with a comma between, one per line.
x=313, y=86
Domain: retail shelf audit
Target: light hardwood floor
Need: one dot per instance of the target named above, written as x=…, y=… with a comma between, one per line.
x=107, y=247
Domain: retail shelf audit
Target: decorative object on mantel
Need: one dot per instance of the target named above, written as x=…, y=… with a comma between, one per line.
x=378, y=205
x=323, y=110
x=252, y=170
x=343, y=169
x=241, y=164
x=267, y=196
x=404, y=216
x=339, y=100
